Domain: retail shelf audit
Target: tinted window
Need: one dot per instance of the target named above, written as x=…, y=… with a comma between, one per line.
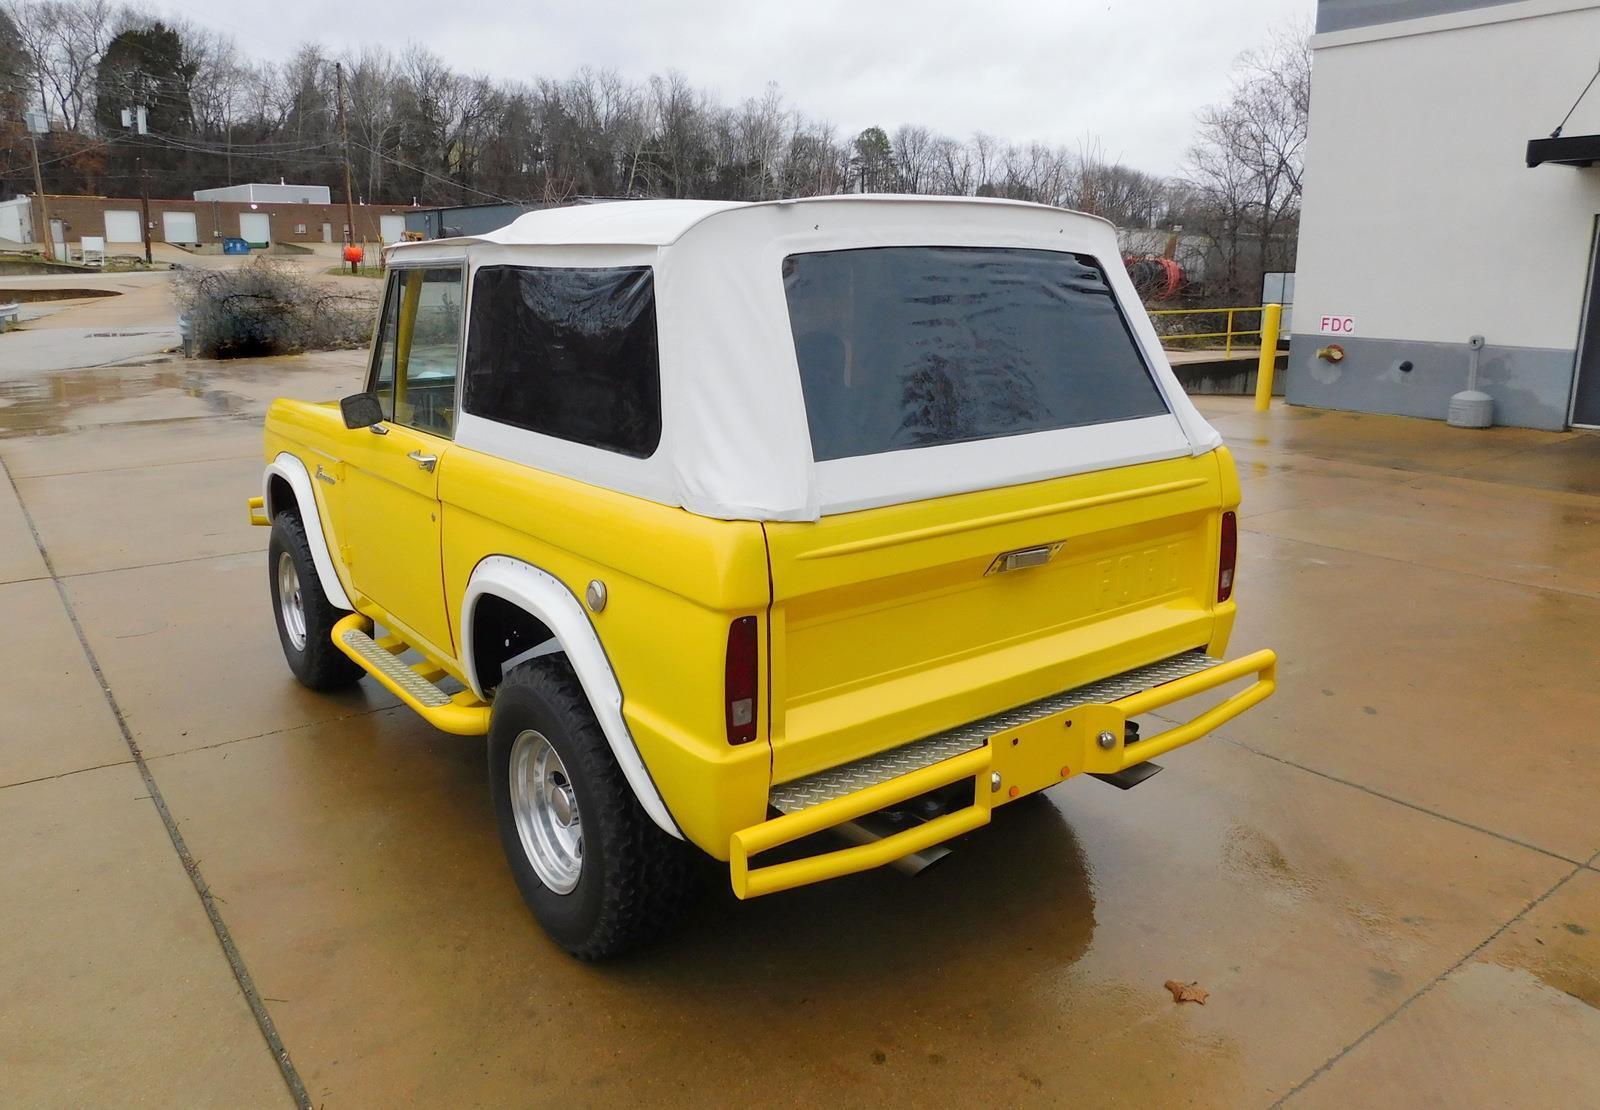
x=419, y=346
x=570, y=353
x=904, y=347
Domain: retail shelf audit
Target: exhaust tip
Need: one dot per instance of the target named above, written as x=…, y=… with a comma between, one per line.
x=871, y=829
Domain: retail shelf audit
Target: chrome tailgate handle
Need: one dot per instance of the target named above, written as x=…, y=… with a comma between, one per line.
x=1024, y=558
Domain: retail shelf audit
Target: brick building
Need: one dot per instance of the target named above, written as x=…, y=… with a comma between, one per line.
x=199, y=222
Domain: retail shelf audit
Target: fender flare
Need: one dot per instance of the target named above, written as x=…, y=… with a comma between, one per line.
x=546, y=597
x=293, y=471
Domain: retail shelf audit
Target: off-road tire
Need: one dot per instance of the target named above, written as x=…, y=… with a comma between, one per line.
x=636, y=880
x=319, y=665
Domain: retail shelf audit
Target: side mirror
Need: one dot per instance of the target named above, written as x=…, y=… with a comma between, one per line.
x=361, y=410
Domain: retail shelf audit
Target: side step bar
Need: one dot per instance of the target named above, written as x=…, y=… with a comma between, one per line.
x=460, y=714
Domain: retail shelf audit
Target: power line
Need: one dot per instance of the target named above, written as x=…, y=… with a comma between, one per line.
x=428, y=173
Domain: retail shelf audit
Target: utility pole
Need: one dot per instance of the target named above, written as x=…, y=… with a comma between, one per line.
x=344, y=136
x=136, y=119
x=38, y=191
x=144, y=207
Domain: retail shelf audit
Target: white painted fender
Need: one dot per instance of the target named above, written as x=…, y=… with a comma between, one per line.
x=546, y=597
x=293, y=471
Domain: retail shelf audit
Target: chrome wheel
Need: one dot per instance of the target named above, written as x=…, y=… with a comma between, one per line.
x=291, y=607
x=546, y=812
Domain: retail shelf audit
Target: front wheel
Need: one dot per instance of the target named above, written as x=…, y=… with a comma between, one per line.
x=304, y=614
x=600, y=876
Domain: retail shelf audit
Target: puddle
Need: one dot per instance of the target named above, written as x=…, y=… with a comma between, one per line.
x=60, y=402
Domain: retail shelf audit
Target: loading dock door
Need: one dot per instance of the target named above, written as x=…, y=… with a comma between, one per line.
x=179, y=227
x=255, y=228
x=122, y=226
x=392, y=228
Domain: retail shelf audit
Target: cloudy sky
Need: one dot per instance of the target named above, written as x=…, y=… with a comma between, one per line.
x=1130, y=73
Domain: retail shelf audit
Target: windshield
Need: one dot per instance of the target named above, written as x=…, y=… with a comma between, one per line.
x=903, y=347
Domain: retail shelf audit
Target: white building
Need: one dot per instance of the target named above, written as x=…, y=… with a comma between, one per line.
x=1425, y=222
x=16, y=220
x=269, y=194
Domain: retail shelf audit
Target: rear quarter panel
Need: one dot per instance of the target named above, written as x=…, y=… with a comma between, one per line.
x=674, y=582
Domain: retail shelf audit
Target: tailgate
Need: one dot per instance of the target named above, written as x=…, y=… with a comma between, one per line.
x=893, y=623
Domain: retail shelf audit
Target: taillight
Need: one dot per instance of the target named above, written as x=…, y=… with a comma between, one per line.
x=1228, y=556
x=740, y=683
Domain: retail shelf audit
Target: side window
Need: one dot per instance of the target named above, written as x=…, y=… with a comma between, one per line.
x=419, y=346
x=569, y=353
x=383, y=371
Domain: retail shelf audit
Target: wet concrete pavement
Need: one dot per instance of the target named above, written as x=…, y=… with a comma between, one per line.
x=1385, y=875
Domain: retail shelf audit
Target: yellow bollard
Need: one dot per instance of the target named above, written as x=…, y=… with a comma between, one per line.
x=1271, y=319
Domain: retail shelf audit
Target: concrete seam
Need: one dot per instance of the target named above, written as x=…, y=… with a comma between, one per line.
x=1563, y=591
x=65, y=774
x=230, y=950
x=162, y=563
x=1503, y=837
x=1434, y=982
x=18, y=581
x=1525, y=449
x=136, y=466
x=1449, y=472
x=277, y=732
x=67, y=429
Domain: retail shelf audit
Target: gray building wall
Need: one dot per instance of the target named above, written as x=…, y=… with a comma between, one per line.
x=1422, y=225
x=466, y=219
x=1341, y=15
x=1531, y=386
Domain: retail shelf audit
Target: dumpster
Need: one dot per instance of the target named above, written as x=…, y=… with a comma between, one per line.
x=233, y=245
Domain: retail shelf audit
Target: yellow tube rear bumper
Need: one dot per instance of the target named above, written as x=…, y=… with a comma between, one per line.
x=1011, y=764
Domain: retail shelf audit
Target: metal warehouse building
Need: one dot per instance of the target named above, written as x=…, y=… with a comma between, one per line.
x=1437, y=208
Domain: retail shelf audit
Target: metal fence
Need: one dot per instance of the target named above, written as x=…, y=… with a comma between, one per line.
x=1209, y=319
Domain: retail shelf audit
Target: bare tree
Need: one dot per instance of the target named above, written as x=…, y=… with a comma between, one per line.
x=63, y=41
x=420, y=129
x=1246, y=164
x=916, y=158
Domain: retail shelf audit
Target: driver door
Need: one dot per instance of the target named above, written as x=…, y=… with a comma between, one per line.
x=391, y=496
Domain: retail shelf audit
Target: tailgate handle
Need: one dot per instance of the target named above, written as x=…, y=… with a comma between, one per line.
x=1023, y=558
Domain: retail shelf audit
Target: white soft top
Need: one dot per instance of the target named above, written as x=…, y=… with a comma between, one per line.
x=734, y=442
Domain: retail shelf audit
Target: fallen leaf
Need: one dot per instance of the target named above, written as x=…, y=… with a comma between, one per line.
x=1187, y=992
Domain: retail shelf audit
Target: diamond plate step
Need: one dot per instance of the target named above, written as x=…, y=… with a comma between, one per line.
x=379, y=659
x=836, y=782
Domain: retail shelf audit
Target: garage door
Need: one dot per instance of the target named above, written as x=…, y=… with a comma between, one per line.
x=123, y=227
x=179, y=227
x=393, y=228
x=255, y=228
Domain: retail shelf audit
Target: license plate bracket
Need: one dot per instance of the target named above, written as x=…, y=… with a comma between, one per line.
x=1052, y=749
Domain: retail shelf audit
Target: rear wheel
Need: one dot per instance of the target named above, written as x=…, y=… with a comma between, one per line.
x=304, y=614
x=600, y=876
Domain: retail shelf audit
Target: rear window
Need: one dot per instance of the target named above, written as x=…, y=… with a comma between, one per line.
x=903, y=347
x=567, y=352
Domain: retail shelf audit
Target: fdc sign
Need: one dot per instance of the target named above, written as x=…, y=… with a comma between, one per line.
x=1339, y=325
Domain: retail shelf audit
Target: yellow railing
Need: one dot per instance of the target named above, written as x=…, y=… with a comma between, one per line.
x=1226, y=336
x=1266, y=333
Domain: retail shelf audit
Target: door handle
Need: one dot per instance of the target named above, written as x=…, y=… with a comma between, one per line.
x=427, y=462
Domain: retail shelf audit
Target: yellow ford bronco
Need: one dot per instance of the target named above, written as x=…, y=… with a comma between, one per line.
x=732, y=525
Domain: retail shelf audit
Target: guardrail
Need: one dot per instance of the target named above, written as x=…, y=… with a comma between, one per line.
x=1227, y=335
x=1266, y=332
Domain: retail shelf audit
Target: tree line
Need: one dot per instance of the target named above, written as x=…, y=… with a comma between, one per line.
x=420, y=130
